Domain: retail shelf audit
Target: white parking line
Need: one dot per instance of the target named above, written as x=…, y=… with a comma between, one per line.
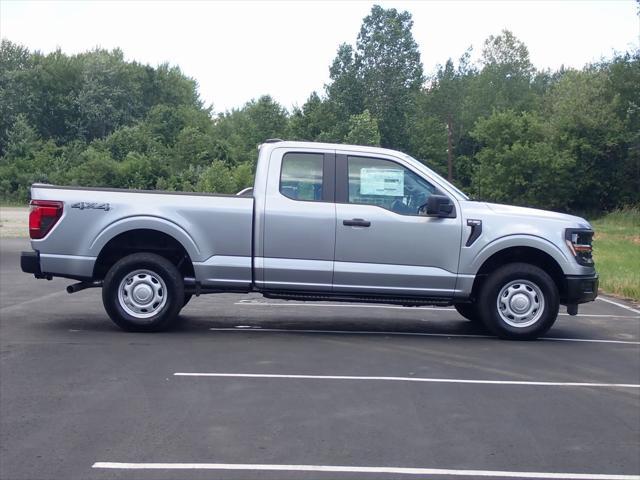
x=626, y=307
x=409, y=379
x=253, y=303
x=590, y=340
x=598, y=315
x=17, y=306
x=246, y=328
x=350, y=469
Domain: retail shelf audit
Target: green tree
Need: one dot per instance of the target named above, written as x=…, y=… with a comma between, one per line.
x=562, y=139
x=437, y=125
x=97, y=169
x=518, y=162
x=26, y=160
x=243, y=176
x=388, y=63
x=217, y=178
x=167, y=85
x=363, y=130
x=582, y=113
x=109, y=96
x=194, y=147
x=345, y=92
x=244, y=129
x=505, y=80
x=139, y=171
x=317, y=120
x=623, y=78
x=22, y=140
x=428, y=137
x=14, y=59
x=136, y=138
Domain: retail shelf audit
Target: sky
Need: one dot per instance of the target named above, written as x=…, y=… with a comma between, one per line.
x=240, y=50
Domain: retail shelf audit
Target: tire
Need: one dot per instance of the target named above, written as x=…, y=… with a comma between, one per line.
x=519, y=301
x=469, y=311
x=187, y=297
x=158, y=289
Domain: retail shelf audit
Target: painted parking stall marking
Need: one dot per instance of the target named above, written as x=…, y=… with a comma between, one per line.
x=354, y=469
x=408, y=379
x=256, y=303
x=247, y=328
x=617, y=304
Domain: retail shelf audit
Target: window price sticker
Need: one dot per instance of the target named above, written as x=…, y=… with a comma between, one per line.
x=382, y=181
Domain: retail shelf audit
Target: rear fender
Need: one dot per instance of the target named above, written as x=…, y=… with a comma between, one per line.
x=148, y=223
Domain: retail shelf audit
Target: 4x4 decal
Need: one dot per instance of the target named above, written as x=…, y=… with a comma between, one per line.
x=92, y=205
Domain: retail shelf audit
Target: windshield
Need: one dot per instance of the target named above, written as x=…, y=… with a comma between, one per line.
x=421, y=166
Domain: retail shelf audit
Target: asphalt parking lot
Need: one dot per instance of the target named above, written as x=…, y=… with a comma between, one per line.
x=310, y=391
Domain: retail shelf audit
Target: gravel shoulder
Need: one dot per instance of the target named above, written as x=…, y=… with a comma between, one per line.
x=14, y=222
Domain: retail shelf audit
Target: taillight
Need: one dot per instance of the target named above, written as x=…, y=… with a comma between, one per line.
x=43, y=216
x=579, y=242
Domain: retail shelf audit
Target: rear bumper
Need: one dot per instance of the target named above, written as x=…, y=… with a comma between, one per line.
x=580, y=289
x=48, y=265
x=30, y=263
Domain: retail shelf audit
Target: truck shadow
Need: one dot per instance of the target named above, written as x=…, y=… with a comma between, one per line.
x=338, y=324
x=445, y=324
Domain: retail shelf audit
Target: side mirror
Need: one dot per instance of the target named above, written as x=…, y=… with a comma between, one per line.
x=438, y=206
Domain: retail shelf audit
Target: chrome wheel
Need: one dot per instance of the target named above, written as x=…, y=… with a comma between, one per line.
x=142, y=294
x=520, y=303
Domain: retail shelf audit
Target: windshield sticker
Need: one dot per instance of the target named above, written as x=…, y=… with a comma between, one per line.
x=382, y=181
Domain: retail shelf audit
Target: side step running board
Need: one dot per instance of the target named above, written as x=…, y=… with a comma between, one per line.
x=319, y=297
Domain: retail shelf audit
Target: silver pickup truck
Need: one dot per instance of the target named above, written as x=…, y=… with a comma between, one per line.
x=322, y=222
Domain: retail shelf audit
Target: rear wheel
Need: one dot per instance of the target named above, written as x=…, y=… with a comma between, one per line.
x=519, y=301
x=469, y=311
x=143, y=292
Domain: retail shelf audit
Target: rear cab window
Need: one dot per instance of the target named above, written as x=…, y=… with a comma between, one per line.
x=301, y=176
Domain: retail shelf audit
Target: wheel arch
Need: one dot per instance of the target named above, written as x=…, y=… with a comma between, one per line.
x=138, y=240
x=145, y=223
x=525, y=254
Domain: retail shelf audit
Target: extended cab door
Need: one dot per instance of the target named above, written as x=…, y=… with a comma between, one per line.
x=383, y=245
x=299, y=221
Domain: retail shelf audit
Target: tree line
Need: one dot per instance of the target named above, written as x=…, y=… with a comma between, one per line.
x=503, y=130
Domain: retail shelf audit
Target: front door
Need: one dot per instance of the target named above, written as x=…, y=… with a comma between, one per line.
x=383, y=245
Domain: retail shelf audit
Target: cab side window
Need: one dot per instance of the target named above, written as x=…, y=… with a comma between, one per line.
x=301, y=176
x=387, y=184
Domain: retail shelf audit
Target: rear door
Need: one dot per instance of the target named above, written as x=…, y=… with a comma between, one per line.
x=383, y=245
x=300, y=221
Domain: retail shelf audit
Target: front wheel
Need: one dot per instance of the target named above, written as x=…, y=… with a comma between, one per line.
x=143, y=292
x=187, y=297
x=519, y=301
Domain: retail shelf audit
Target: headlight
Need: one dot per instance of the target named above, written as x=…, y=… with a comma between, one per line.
x=579, y=242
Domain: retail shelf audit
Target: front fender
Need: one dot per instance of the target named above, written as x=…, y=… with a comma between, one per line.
x=146, y=222
x=531, y=241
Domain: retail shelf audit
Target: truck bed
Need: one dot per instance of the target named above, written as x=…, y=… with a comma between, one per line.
x=215, y=230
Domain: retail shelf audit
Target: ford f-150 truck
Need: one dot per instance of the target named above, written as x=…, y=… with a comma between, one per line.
x=322, y=222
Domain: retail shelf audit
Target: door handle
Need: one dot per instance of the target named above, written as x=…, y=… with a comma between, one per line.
x=357, y=222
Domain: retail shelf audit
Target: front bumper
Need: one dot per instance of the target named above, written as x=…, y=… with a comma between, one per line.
x=580, y=289
x=30, y=263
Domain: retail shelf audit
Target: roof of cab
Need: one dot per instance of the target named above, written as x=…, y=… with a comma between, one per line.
x=277, y=143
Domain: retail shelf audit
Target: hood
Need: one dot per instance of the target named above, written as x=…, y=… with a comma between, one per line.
x=514, y=211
